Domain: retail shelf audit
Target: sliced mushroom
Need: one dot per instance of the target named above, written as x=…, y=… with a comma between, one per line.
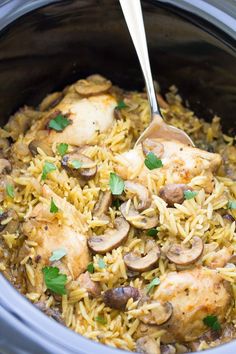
x=9, y=221
x=4, y=144
x=50, y=101
x=140, y=221
x=93, y=287
x=86, y=171
x=35, y=144
x=228, y=218
x=168, y=349
x=112, y=238
x=173, y=193
x=93, y=85
x=141, y=192
x=139, y=263
x=53, y=313
x=159, y=314
x=151, y=145
x=103, y=204
x=147, y=345
x=117, y=298
x=181, y=255
x=5, y=166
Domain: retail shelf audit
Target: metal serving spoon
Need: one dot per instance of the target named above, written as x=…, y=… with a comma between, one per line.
x=157, y=128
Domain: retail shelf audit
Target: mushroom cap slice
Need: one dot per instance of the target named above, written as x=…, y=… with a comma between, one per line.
x=140, y=221
x=5, y=166
x=103, y=204
x=147, y=345
x=93, y=85
x=139, y=263
x=87, y=170
x=151, y=145
x=117, y=298
x=181, y=255
x=12, y=225
x=173, y=193
x=35, y=144
x=142, y=193
x=111, y=239
x=159, y=314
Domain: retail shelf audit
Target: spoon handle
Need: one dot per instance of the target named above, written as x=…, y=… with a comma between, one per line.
x=134, y=19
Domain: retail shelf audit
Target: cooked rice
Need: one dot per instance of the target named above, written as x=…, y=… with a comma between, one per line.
x=195, y=217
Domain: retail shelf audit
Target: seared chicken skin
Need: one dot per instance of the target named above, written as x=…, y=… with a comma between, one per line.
x=193, y=294
x=51, y=234
x=180, y=163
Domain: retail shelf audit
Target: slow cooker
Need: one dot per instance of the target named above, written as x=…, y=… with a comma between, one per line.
x=46, y=44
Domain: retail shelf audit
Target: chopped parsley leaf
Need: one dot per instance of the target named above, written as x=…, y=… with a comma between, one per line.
x=152, y=232
x=116, y=184
x=154, y=282
x=54, y=280
x=231, y=204
x=90, y=268
x=57, y=254
x=101, y=320
x=121, y=104
x=212, y=322
x=189, y=194
x=101, y=263
x=59, y=123
x=53, y=207
x=76, y=164
x=62, y=149
x=152, y=162
x=10, y=190
x=47, y=168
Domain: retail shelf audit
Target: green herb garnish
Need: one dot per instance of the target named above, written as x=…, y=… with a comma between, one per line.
x=154, y=282
x=76, y=164
x=59, y=123
x=152, y=232
x=231, y=204
x=54, y=280
x=101, y=320
x=62, y=149
x=152, y=162
x=212, y=322
x=10, y=190
x=121, y=104
x=47, y=168
x=189, y=194
x=116, y=184
x=101, y=263
x=57, y=254
x=53, y=207
x=90, y=268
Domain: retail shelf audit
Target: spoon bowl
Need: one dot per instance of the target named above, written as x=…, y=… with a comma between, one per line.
x=158, y=128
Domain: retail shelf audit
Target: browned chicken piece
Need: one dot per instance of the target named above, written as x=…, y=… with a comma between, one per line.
x=86, y=115
x=194, y=294
x=180, y=162
x=51, y=234
x=92, y=287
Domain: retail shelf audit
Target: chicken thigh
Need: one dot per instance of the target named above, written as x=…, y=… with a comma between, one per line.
x=52, y=233
x=180, y=162
x=193, y=294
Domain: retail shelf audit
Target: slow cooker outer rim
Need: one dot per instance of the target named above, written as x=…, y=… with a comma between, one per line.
x=223, y=17
x=43, y=330
x=36, y=325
